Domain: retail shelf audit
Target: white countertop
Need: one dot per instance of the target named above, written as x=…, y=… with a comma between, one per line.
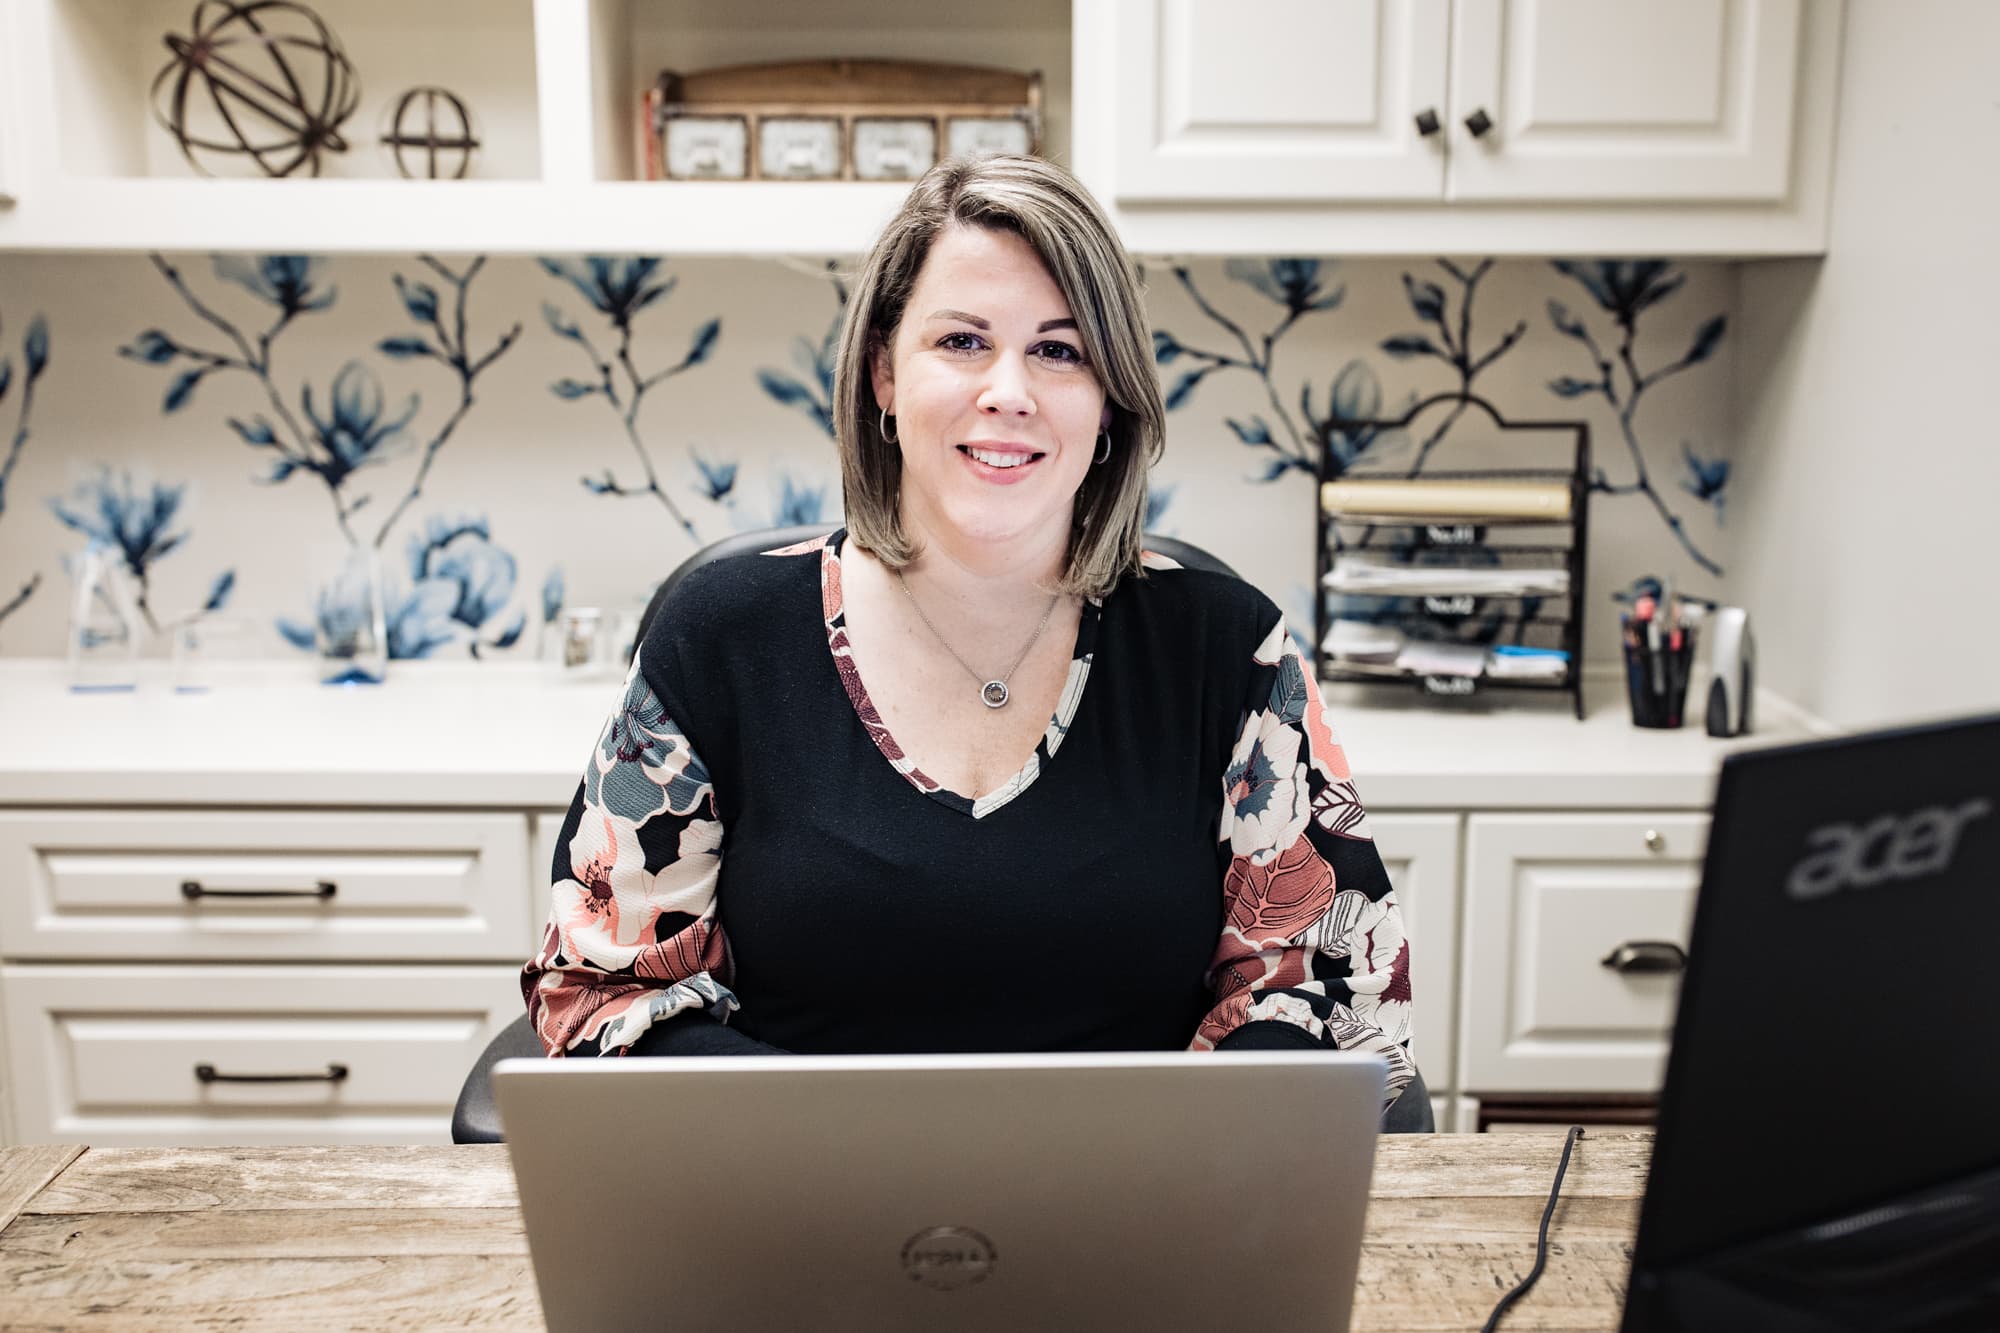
x=508, y=735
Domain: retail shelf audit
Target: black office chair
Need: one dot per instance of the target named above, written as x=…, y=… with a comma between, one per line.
x=477, y=1120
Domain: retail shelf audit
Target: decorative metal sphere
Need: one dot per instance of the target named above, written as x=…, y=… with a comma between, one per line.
x=437, y=121
x=265, y=79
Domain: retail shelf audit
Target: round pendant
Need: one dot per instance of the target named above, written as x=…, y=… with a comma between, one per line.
x=994, y=694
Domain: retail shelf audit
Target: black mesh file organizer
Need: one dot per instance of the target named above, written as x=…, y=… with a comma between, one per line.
x=1431, y=578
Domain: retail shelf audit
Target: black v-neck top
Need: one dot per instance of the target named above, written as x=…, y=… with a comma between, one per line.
x=1183, y=861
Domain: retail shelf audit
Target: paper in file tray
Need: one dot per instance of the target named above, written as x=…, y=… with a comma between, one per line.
x=1352, y=573
x=1455, y=501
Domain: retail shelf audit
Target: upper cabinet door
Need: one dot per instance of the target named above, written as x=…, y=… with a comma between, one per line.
x=1278, y=100
x=1589, y=100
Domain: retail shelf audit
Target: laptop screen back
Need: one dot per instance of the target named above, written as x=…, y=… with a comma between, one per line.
x=1838, y=1039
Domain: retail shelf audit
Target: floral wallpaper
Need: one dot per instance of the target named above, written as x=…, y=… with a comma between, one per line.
x=515, y=434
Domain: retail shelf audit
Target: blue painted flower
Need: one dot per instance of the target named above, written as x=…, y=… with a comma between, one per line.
x=717, y=479
x=353, y=434
x=420, y=621
x=1292, y=283
x=797, y=504
x=1704, y=478
x=130, y=517
x=1623, y=288
x=285, y=281
x=1353, y=400
x=619, y=288
x=461, y=557
x=1158, y=499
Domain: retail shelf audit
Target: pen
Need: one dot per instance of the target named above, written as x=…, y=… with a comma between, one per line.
x=1645, y=610
x=1676, y=676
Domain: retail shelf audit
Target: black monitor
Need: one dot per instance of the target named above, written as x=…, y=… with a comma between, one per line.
x=1828, y=1153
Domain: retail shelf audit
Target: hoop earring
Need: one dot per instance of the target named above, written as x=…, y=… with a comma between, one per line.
x=1105, y=454
x=882, y=424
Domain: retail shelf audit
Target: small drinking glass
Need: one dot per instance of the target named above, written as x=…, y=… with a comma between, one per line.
x=352, y=632
x=204, y=647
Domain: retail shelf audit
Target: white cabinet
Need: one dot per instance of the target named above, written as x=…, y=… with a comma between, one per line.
x=1689, y=101
x=255, y=976
x=264, y=886
x=1288, y=100
x=1278, y=100
x=1206, y=126
x=1420, y=852
x=1478, y=126
x=1575, y=934
x=221, y=1054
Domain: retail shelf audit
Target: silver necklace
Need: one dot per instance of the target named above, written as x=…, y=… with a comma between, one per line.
x=992, y=693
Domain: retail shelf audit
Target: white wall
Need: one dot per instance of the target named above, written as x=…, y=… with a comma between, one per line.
x=1866, y=530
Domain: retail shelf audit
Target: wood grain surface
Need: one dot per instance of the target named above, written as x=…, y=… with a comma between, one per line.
x=397, y=1238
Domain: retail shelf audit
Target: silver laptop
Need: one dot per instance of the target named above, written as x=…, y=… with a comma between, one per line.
x=975, y=1192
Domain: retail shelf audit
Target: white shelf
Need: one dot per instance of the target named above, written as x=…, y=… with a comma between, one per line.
x=487, y=217
x=553, y=88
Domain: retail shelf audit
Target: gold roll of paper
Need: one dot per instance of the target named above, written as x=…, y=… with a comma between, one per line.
x=1455, y=500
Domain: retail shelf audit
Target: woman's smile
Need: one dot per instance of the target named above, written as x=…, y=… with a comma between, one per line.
x=1003, y=463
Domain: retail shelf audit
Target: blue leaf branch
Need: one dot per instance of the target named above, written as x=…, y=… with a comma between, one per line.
x=289, y=284
x=1295, y=285
x=619, y=290
x=34, y=359
x=1625, y=290
x=814, y=394
x=1453, y=341
x=450, y=346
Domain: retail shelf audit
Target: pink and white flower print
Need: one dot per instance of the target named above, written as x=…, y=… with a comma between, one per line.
x=1312, y=936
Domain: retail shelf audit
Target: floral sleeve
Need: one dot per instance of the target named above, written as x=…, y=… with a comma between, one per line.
x=1312, y=950
x=633, y=937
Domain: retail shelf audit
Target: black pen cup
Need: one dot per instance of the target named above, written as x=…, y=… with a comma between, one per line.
x=1656, y=682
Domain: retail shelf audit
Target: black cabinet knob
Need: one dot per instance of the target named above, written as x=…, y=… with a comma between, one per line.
x=1428, y=122
x=1479, y=122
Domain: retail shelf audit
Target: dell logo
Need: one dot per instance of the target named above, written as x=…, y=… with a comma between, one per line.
x=947, y=1258
x=1893, y=847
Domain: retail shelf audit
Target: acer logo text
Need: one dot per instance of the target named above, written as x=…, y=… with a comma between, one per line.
x=1893, y=847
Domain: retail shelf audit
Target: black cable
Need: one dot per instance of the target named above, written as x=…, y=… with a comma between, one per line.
x=1541, y=1241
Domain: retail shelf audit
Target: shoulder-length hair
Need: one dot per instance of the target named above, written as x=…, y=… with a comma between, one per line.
x=1055, y=215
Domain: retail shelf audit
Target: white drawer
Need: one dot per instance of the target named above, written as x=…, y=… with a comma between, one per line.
x=257, y=885
x=1549, y=901
x=115, y=1054
x=1420, y=852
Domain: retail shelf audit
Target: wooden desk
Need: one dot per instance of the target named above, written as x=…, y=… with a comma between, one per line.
x=399, y=1238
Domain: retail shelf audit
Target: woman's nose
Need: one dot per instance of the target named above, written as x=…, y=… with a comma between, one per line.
x=1006, y=391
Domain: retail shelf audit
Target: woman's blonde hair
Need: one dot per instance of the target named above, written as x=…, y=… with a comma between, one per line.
x=1055, y=215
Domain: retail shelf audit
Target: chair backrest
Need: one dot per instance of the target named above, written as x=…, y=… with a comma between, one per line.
x=770, y=539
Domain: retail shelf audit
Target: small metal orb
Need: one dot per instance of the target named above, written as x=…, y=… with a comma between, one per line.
x=994, y=694
x=437, y=121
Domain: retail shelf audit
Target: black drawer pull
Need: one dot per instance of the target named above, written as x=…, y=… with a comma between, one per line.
x=209, y=1074
x=192, y=889
x=1647, y=956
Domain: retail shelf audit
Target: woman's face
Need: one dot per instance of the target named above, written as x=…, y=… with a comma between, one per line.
x=996, y=412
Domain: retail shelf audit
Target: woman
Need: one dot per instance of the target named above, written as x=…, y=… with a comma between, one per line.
x=974, y=773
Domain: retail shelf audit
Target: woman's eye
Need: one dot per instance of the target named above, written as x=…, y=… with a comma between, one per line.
x=960, y=342
x=1060, y=352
